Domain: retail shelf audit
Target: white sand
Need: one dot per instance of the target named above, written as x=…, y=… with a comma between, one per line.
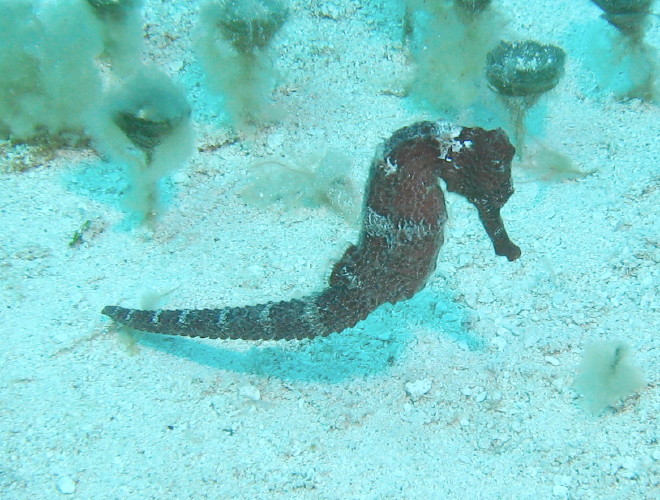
x=498, y=343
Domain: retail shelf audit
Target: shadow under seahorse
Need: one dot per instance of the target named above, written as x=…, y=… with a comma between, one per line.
x=401, y=235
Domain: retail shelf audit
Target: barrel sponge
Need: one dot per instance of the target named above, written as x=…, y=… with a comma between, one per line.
x=49, y=80
x=607, y=375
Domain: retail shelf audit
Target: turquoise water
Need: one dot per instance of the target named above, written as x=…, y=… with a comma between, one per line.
x=239, y=180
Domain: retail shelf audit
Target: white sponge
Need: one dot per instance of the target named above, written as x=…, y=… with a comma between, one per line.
x=607, y=375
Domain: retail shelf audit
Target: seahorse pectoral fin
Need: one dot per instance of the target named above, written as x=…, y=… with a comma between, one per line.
x=494, y=226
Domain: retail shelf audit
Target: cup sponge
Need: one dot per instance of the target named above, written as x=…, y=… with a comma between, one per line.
x=607, y=375
x=121, y=27
x=232, y=41
x=145, y=125
x=448, y=44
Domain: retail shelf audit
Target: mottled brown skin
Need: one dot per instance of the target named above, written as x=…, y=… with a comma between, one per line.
x=402, y=223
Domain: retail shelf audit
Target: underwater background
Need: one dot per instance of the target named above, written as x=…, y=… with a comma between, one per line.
x=526, y=379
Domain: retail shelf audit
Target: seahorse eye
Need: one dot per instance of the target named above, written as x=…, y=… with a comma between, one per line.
x=499, y=166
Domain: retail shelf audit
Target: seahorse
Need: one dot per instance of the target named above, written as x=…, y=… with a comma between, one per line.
x=401, y=234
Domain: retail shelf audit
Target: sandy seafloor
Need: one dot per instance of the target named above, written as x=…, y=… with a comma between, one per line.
x=85, y=413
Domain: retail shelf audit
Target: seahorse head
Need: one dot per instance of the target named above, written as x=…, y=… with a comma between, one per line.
x=478, y=166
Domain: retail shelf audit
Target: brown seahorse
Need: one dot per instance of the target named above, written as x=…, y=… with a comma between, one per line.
x=401, y=234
